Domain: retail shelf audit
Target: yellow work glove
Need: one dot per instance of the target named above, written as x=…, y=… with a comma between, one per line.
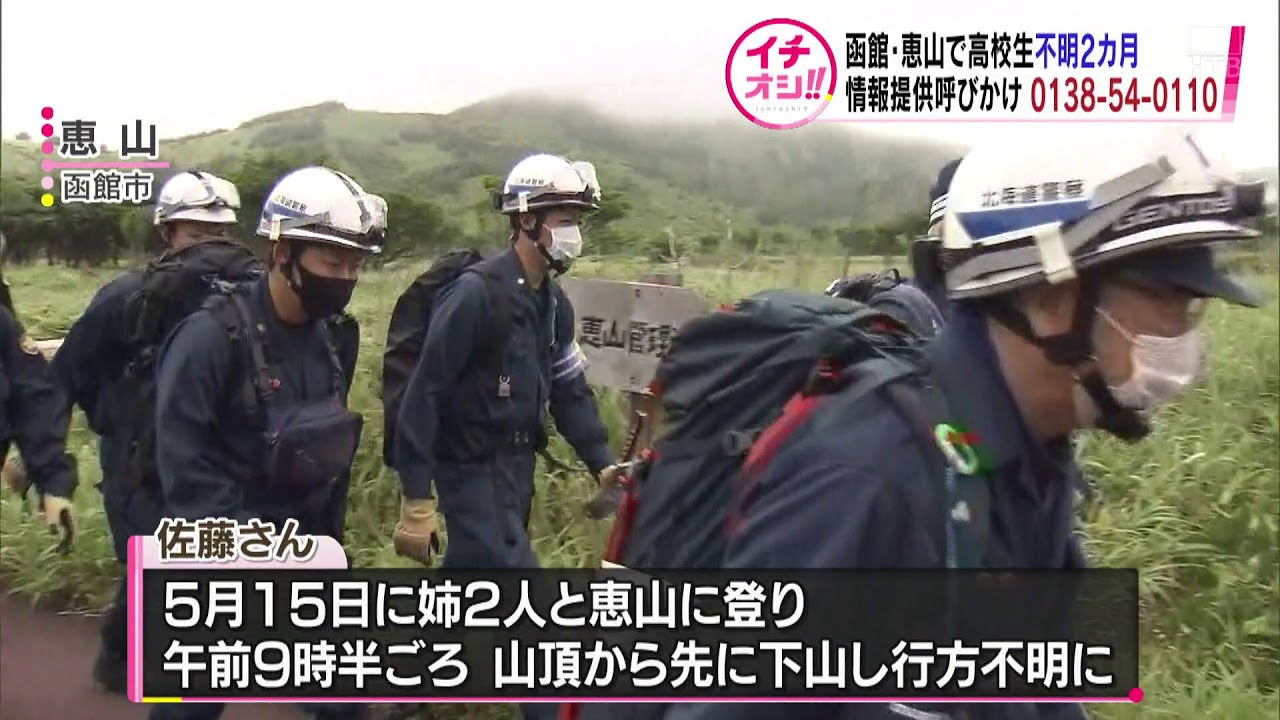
x=15, y=474
x=55, y=511
x=416, y=536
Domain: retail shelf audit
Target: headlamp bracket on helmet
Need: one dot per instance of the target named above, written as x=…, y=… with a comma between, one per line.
x=281, y=224
x=1054, y=246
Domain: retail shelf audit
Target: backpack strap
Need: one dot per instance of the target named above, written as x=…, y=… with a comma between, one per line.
x=232, y=311
x=967, y=514
x=331, y=346
x=861, y=379
x=493, y=345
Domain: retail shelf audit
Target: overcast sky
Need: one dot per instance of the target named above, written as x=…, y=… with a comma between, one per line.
x=212, y=66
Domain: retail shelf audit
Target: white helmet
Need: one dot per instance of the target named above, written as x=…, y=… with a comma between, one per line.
x=938, y=198
x=199, y=197
x=322, y=205
x=1051, y=209
x=1021, y=213
x=542, y=181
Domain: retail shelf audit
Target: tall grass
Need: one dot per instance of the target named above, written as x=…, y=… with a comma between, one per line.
x=1195, y=508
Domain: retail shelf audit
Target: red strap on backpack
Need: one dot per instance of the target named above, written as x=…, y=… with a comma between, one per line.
x=796, y=411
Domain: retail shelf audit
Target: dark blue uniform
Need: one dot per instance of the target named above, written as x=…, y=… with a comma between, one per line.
x=88, y=365
x=827, y=501
x=475, y=434
x=36, y=415
x=290, y=457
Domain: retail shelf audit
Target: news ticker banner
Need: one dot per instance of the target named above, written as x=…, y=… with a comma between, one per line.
x=784, y=73
x=241, y=614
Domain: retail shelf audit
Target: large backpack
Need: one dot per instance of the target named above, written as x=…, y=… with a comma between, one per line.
x=408, y=330
x=173, y=286
x=733, y=385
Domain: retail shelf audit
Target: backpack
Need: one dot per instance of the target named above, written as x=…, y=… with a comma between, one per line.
x=733, y=386
x=172, y=287
x=888, y=291
x=407, y=331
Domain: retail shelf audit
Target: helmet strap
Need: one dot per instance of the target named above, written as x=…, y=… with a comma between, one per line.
x=539, y=219
x=293, y=255
x=1074, y=349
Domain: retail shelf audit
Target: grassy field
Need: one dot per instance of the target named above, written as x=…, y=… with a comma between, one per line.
x=1195, y=508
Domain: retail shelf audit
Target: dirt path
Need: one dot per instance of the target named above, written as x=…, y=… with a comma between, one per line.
x=46, y=664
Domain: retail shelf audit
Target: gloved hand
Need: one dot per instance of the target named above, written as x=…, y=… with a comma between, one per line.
x=609, y=475
x=53, y=507
x=15, y=474
x=57, y=511
x=416, y=535
x=606, y=500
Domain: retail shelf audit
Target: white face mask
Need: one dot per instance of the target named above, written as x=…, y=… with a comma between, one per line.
x=566, y=243
x=1163, y=367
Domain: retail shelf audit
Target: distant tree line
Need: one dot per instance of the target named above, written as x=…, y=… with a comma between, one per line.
x=82, y=234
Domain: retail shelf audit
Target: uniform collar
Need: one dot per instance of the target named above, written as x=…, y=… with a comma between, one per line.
x=271, y=322
x=511, y=271
x=260, y=291
x=965, y=364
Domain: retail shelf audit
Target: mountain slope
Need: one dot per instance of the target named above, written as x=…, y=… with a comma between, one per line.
x=690, y=177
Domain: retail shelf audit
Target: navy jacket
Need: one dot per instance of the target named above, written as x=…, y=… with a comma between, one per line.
x=213, y=451
x=92, y=356
x=455, y=411
x=36, y=415
x=855, y=498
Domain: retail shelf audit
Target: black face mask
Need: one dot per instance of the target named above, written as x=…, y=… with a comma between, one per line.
x=321, y=296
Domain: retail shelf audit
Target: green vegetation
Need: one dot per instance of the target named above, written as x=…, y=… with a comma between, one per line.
x=690, y=182
x=1195, y=508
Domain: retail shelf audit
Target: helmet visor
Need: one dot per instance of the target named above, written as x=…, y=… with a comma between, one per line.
x=214, y=193
x=577, y=183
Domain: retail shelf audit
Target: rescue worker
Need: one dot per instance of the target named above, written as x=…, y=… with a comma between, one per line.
x=475, y=433
x=1094, y=324
x=192, y=206
x=257, y=426
x=36, y=417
